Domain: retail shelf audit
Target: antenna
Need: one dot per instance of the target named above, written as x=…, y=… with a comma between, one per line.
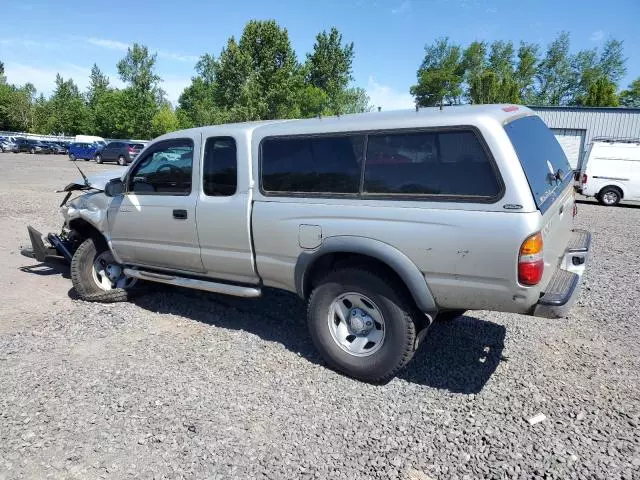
x=84, y=177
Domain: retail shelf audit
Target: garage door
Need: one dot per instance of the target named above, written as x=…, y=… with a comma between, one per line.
x=572, y=142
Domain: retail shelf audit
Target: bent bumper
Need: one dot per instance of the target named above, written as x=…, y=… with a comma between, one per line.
x=57, y=251
x=562, y=290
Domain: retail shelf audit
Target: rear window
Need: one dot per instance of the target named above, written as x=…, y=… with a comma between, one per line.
x=429, y=163
x=137, y=146
x=542, y=158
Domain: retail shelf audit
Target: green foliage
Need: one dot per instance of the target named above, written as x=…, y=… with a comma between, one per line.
x=440, y=75
x=69, y=113
x=525, y=73
x=164, y=121
x=555, y=76
x=601, y=93
x=631, y=96
x=499, y=74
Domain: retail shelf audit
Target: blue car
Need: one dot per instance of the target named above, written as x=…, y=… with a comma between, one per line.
x=83, y=150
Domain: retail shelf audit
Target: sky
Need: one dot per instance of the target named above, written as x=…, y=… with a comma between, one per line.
x=68, y=36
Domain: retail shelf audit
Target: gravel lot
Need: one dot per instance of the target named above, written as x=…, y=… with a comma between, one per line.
x=187, y=384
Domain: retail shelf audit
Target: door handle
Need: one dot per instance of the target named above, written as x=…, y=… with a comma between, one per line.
x=180, y=214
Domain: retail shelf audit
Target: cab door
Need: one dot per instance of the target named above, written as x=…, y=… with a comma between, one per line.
x=153, y=223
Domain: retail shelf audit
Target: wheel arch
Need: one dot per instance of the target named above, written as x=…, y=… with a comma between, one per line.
x=615, y=185
x=311, y=265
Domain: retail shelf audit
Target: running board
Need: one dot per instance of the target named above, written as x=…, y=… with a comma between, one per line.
x=207, y=286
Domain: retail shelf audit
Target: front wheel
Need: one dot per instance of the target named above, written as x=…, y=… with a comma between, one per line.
x=361, y=325
x=72, y=157
x=32, y=151
x=96, y=276
x=98, y=158
x=122, y=161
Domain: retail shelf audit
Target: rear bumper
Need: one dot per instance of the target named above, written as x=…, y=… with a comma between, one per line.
x=562, y=290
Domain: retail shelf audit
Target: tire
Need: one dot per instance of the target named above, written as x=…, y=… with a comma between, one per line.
x=122, y=161
x=609, y=196
x=72, y=157
x=449, y=316
x=98, y=158
x=86, y=283
x=388, y=355
x=32, y=151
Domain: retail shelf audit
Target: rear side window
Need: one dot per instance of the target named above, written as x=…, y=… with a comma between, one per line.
x=542, y=158
x=220, y=176
x=327, y=164
x=429, y=163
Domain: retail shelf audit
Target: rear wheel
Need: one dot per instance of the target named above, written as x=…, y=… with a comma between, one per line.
x=609, y=196
x=122, y=161
x=361, y=325
x=96, y=276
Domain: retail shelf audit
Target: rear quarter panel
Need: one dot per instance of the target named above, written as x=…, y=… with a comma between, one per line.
x=467, y=252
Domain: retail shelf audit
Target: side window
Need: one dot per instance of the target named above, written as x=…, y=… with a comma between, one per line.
x=220, y=175
x=312, y=164
x=165, y=170
x=429, y=163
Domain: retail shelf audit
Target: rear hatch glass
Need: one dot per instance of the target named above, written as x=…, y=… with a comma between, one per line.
x=542, y=158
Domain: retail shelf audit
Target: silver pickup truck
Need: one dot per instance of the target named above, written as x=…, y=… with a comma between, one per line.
x=382, y=222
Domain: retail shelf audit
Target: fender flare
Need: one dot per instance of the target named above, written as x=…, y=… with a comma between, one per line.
x=614, y=183
x=391, y=256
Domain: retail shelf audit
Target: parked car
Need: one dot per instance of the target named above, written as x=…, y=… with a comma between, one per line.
x=612, y=171
x=7, y=146
x=84, y=151
x=31, y=146
x=382, y=222
x=56, y=148
x=122, y=152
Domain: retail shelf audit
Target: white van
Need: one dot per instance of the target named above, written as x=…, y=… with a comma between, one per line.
x=612, y=171
x=90, y=139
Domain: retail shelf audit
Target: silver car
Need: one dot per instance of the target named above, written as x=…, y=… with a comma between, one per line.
x=382, y=222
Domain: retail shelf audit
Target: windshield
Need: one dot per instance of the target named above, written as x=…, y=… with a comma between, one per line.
x=542, y=158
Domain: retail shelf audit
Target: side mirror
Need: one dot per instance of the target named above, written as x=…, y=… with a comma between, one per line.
x=114, y=187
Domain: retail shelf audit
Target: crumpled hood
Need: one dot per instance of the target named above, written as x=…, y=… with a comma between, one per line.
x=97, y=181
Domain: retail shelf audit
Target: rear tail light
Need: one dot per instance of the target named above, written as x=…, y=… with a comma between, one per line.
x=584, y=178
x=131, y=149
x=531, y=261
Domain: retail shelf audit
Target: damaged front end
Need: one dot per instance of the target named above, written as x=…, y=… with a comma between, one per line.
x=83, y=216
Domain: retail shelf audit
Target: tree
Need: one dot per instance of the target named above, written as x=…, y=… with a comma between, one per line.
x=612, y=61
x=631, y=96
x=68, y=110
x=329, y=68
x=164, y=121
x=525, y=74
x=440, y=75
x=98, y=85
x=273, y=67
x=474, y=63
x=143, y=96
x=197, y=104
x=555, y=77
x=601, y=93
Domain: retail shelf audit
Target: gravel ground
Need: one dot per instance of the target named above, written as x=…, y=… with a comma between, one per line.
x=186, y=384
